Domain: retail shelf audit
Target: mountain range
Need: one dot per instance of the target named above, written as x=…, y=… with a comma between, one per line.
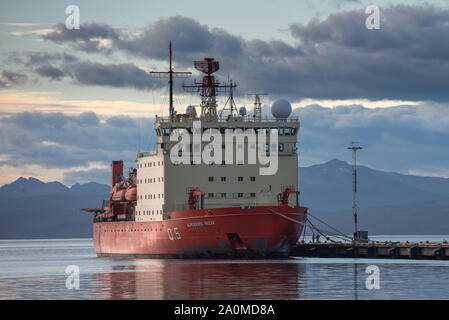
x=389, y=203
x=30, y=208
x=329, y=186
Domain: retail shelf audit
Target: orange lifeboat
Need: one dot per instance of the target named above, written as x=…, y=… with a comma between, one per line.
x=131, y=193
x=119, y=195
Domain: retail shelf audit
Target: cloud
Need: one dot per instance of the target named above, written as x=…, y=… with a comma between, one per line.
x=88, y=38
x=113, y=75
x=9, y=78
x=50, y=72
x=84, y=176
x=58, y=141
x=333, y=58
x=38, y=32
x=57, y=66
x=414, y=31
x=17, y=101
x=403, y=139
x=46, y=58
x=189, y=37
x=19, y=24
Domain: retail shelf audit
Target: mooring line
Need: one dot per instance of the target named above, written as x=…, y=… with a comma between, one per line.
x=324, y=233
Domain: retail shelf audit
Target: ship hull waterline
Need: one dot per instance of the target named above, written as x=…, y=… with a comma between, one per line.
x=255, y=232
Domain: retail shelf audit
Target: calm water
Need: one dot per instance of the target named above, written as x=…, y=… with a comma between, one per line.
x=35, y=269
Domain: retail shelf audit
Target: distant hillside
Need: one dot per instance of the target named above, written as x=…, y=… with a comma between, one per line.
x=423, y=218
x=328, y=186
x=31, y=187
x=30, y=208
x=23, y=187
x=389, y=203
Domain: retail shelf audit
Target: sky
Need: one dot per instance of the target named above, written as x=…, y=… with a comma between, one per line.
x=73, y=100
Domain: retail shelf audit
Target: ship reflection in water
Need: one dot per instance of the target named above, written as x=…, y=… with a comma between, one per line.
x=36, y=269
x=202, y=280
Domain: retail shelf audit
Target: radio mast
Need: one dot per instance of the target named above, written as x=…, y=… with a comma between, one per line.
x=355, y=146
x=257, y=105
x=171, y=74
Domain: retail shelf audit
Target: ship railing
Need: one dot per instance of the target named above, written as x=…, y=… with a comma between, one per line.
x=236, y=120
x=150, y=153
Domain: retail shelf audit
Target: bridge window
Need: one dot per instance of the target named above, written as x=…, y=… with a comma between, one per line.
x=211, y=179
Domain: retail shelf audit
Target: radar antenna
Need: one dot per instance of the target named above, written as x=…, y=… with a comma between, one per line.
x=208, y=88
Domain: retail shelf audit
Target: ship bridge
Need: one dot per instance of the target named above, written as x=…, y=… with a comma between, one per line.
x=268, y=164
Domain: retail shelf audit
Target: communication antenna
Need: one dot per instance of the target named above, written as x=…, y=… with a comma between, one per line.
x=257, y=105
x=355, y=146
x=171, y=74
x=230, y=103
x=208, y=88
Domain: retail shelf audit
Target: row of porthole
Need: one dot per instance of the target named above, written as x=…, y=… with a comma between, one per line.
x=150, y=180
x=147, y=212
x=151, y=196
x=239, y=179
x=150, y=164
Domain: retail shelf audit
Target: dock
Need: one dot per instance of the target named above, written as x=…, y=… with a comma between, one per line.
x=373, y=250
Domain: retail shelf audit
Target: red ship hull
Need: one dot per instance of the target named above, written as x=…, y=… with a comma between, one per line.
x=255, y=232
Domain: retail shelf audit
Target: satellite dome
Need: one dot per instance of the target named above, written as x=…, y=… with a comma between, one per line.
x=281, y=109
x=242, y=111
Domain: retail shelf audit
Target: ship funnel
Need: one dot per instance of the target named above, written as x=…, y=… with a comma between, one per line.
x=116, y=171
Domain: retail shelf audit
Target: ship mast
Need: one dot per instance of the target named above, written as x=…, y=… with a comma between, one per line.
x=232, y=107
x=208, y=88
x=257, y=105
x=355, y=147
x=171, y=75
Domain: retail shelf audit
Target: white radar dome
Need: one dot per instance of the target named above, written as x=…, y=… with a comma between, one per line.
x=189, y=109
x=242, y=111
x=281, y=109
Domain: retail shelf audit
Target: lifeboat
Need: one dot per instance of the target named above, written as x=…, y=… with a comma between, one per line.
x=131, y=193
x=119, y=195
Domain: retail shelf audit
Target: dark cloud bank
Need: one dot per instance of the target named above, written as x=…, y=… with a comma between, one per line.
x=335, y=58
x=55, y=140
x=403, y=139
x=9, y=78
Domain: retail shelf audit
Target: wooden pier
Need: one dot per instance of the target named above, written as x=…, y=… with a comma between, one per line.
x=379, y=250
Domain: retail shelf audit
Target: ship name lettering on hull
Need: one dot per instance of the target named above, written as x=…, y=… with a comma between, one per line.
x=200, y=224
